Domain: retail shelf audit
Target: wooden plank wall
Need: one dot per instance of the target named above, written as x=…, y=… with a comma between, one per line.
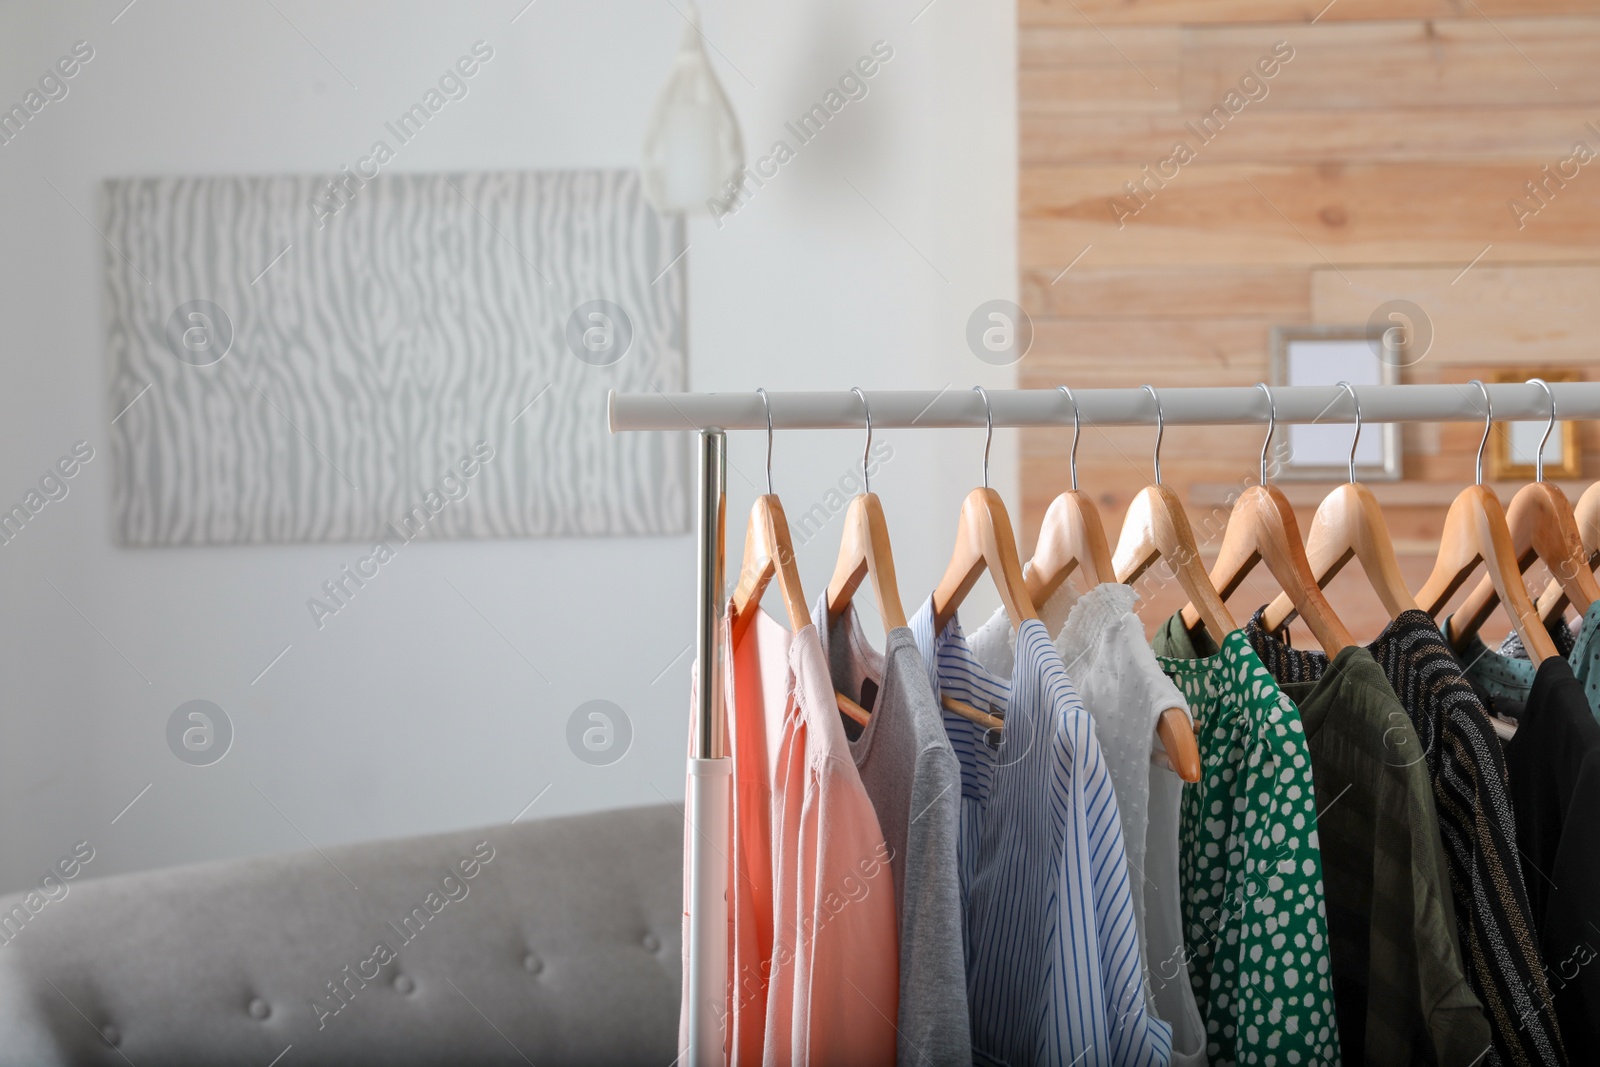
x=1378, y=161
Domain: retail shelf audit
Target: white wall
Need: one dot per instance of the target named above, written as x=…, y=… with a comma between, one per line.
x=413, y=713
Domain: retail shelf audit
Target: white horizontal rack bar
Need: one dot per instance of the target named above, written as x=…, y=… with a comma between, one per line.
x=957, y=406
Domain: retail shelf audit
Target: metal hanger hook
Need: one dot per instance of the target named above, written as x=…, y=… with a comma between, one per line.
x=1538, y=462
x=767, y=404
x=1272, y=425
x=1488, y=421
x=1161, y=428
x=988, y=418
x=1356, y=440
x=1072, y=456
x=866, y=486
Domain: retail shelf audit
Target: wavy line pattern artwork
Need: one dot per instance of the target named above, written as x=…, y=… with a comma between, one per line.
x=285, y=372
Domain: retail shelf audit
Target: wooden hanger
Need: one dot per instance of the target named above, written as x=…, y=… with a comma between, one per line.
x=1588, y=515
x=1475, y=531
x=864, y=550
x=769, y=554
x=1543, y=526
x=984, y=541
x=1072, y=536
x=1553, y=601
x=1262, y=528
x=970, y=713
x=1156, y=527
x=1349, y=525
x=854, y=711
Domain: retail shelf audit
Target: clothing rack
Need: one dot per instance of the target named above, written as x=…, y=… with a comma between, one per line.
x=712, y=414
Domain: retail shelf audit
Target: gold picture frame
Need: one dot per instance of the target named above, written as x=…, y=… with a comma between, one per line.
x=1504, y=465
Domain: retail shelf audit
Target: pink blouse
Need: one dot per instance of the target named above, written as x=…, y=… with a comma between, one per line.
x=813, y=969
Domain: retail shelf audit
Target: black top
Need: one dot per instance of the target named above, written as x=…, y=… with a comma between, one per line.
x=1554, y=761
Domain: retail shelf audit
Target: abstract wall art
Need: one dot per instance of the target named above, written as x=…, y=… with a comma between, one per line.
x=301, y=359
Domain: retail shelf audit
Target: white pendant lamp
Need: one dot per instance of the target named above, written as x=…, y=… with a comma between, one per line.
x=692, y=147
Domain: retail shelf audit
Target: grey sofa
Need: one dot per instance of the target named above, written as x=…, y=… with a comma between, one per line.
x=553, y=942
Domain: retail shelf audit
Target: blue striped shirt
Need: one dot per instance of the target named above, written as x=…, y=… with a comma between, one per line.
x=1053, y=959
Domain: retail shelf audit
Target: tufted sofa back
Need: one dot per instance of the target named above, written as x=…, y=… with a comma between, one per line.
x=553, y=942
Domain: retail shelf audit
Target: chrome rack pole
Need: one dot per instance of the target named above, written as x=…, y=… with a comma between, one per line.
x=710, y=774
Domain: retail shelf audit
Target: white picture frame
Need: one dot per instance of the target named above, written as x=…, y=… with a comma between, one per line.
x=1327, y=355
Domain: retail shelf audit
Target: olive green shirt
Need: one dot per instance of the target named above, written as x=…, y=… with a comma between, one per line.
x=1399, y=982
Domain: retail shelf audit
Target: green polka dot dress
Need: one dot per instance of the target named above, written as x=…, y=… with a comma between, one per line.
x=1255, y=928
